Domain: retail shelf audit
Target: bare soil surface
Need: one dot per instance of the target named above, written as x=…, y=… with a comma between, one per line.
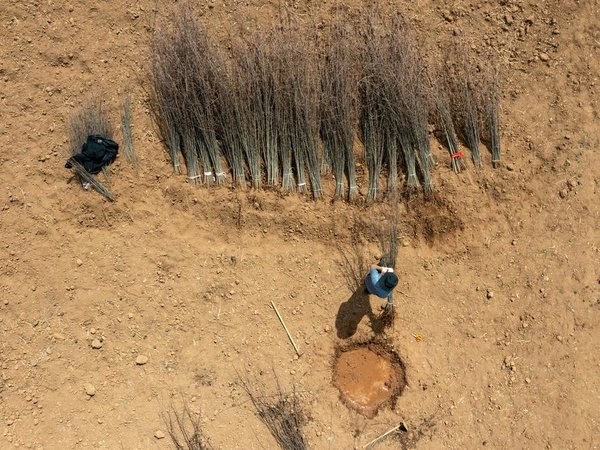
x=109, y=312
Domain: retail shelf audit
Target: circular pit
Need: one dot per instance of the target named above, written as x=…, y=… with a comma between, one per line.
x=369, y=377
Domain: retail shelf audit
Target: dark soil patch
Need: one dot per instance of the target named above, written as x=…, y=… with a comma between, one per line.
x=433, y=219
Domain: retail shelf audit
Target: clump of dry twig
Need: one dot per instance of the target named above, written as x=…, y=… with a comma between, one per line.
x=339, y=103
x=353, y=264
x=412, y=88
x=409, y=105
x=394, y=113
x=284, y=105
x=297, y=107
x=386, y=231
x=184, y=79
x=126, y=129
x=281, y=413
x=165, y=80
x=91, y=118
x=461, y=72
x=246, y=111
x=234, y=118
x=491, y=112
x=373, y=102
x=254, y=67
x=185, y=429
x=440, y=98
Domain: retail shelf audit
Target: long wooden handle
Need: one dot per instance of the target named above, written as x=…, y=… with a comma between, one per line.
x=286, y=329
x=381, y=436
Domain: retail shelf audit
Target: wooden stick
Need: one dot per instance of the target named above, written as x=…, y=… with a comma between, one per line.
x=286, y=329
x=382, y=436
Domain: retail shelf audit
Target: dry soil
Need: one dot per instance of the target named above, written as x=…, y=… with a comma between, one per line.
x=111, y=312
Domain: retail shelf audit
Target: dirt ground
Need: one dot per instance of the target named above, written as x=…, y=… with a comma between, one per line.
x=500, y=275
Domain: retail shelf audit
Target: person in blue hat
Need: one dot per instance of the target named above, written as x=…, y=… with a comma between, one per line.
x=381, y=280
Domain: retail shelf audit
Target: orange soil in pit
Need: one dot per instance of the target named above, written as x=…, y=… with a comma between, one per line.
x=366, y=380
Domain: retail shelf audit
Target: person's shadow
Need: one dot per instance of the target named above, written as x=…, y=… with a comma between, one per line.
x=351, y=313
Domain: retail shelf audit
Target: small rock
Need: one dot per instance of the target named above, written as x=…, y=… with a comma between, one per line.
x=448, y=16
x=79, y=262
x=5, y=301
x=327, y=328
x=489, y=294
x=571, y=184
x=563, y=193
x=527, y=380
x=514, y=242
x=141, y=360
x=96, y=343
x=89, y=389
x=544, y=57
x=508, y=19
x=559, y=338
x=159, y=434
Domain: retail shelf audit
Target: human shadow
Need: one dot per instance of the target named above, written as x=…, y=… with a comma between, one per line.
x=351, y=313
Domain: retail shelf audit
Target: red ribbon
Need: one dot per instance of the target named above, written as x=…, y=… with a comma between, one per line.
x=458, y=154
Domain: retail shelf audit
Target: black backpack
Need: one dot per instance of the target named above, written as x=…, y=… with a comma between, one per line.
x=96, y=153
